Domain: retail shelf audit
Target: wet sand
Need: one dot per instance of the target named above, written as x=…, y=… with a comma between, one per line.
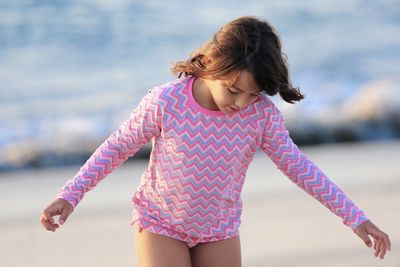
x=281, y=225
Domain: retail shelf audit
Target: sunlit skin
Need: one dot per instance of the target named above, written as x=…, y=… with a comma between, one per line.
x=228, y=94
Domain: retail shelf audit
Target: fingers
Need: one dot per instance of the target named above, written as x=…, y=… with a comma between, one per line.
x=383, y=250
x=47, y=215
x=47, y=221
x=377, y=247
x=381, y=242
x=381, y=239
x=64, y=215
x=58, y=207
x=388, y=244
x=380, y=250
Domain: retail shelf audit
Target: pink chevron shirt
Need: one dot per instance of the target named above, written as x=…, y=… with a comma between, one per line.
x=199, y=160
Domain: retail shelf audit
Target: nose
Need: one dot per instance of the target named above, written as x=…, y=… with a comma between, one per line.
x=243, y=101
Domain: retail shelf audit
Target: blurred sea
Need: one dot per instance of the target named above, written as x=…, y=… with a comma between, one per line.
x=70, y=71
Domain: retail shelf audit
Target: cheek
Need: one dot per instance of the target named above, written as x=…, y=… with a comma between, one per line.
x=222, y=96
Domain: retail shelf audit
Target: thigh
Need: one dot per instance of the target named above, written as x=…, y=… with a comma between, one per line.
x=224, y=253
x=154, y=250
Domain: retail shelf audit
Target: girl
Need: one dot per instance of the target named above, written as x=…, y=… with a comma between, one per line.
x=205, y=128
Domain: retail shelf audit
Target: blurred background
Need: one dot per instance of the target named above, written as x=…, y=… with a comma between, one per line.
x=71, y=71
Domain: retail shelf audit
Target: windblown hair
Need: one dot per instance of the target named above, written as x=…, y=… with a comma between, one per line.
x=246, y=43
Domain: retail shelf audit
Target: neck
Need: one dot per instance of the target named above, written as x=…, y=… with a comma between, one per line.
x=202, y=94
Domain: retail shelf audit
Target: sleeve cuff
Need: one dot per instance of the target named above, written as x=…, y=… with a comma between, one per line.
x=71, y=201
x=359, y=219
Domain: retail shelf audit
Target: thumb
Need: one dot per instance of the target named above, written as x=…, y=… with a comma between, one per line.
x=364, y=236
x=64, y=215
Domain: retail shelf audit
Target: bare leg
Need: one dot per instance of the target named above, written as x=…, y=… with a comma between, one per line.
x=155, y=250
x=225, y=253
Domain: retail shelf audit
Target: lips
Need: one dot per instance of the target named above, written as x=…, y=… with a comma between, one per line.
x=231, y=110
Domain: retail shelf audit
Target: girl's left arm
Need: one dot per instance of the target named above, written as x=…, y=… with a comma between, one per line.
x=278, y=145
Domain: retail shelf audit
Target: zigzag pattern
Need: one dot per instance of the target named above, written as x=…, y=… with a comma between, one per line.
x=278, y=145
x=199, y=161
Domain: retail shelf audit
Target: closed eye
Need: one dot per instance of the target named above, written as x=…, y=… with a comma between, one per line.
x=232, y=92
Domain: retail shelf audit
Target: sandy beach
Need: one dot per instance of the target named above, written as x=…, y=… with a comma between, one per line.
x=281, y=225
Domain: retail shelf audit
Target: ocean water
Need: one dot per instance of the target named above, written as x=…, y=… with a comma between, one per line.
x=70, y=71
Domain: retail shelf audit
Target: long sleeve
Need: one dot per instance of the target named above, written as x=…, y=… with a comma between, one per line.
x=141, y=126
x=278, y=145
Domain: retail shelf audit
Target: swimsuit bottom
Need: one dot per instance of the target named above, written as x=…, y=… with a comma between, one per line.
x=190, y=241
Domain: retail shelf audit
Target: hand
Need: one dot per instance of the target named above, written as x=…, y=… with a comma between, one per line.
x=57, y=207
x=381, y=240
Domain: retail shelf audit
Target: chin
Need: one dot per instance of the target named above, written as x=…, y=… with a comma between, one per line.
x=230, y=110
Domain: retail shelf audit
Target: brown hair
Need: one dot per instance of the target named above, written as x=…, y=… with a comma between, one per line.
x=246, y=43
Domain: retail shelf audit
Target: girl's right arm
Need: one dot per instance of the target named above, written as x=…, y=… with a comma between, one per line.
x=143, y=124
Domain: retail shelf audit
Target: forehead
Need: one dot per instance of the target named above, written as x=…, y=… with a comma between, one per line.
x=243, y=80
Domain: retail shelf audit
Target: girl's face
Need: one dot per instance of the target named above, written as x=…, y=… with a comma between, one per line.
x=233, y=92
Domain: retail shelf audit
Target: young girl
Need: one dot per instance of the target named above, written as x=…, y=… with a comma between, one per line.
x=205, y=128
